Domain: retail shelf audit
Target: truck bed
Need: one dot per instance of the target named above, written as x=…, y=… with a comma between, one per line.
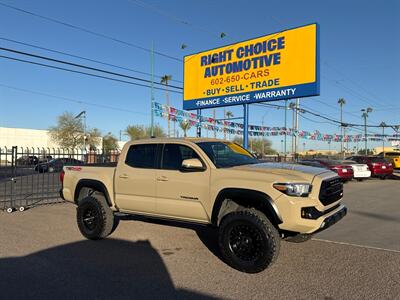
x=102, y=173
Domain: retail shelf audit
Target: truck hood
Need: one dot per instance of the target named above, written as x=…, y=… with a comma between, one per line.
x=285, y=169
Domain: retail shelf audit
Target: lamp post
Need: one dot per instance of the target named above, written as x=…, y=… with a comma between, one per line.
x=365, y=112
x=383, y=125
x=81, y=115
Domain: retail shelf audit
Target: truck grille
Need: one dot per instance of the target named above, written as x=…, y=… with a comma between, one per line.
x=331, y=190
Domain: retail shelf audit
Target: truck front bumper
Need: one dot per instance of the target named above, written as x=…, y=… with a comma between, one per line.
x=333, y=219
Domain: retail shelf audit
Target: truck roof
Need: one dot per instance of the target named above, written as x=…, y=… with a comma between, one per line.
x=171, y=140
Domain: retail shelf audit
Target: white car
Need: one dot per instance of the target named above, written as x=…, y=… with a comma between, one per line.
x=361, y=171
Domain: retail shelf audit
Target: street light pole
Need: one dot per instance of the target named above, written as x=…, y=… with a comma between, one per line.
x=383, y=124
x=81, y=115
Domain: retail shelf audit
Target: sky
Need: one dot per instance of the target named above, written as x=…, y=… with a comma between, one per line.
x=359, y=56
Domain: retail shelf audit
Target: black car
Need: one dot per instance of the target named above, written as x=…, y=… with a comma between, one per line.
x=28, y=160
x=56, y=165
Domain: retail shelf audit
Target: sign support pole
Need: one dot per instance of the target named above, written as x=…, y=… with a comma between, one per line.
x=246, y=126
x=152, y=90
x=199, y=124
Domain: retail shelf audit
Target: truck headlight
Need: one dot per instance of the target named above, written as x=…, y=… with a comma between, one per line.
x=294, y=189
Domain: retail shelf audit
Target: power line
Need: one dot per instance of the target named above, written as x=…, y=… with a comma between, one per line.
x=83, y=73
x=81, y=57
x=83, y=66
x=324, y=117
x=71, y=100
x=89, y=31
x=353, y=81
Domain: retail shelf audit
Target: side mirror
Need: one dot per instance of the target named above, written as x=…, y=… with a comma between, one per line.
x=192, y=164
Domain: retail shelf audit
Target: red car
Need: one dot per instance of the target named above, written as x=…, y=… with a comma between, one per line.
x=377, y=165
x=344, y=171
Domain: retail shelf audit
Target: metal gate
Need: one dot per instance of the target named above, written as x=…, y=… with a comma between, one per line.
x=22, y=183
x=30, y=176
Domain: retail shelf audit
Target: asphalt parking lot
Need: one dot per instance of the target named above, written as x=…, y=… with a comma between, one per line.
x=43, y=256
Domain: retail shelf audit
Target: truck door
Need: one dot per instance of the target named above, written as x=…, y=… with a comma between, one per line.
x=135, y=187
x=180, y=194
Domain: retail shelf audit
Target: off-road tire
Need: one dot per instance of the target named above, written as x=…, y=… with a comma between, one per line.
x=265, y=235
x=97, y=210
x=299, y=238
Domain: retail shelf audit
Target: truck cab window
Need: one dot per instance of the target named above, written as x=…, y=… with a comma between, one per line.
x=142, y=156
x=174, y=154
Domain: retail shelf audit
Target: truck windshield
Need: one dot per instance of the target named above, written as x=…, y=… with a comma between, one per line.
x=226, y=154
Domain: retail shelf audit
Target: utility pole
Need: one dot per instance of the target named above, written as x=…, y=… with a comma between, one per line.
x=284, y=150
x=292, y=107
x=365, y=113
x=341, y=102
x=84, y=129
x=383, y=124
x=152, y=89
x=297, y=125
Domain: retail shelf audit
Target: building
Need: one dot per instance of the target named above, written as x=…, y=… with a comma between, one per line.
x=317, y=152
x=23, y=137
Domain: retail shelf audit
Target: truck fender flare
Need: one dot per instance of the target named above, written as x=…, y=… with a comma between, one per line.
x=94, y=184
x=231, y=199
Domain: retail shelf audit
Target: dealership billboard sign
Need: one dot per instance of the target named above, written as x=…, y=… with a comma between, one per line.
x=278, y=66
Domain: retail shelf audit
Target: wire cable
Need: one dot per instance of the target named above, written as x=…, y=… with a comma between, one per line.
x=83, y=73
x=89, y=31
x=81, y=57
x=84, y=67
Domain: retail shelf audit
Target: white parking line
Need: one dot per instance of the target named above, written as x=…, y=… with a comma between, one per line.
x=355, y=245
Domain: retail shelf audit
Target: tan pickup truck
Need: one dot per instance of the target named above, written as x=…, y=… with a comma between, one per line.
x=210, y=182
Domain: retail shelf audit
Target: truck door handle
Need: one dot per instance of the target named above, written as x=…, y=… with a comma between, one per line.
x=162, y=178
x=123, y=176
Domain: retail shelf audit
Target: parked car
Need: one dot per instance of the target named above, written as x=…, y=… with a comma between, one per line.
x=208, y=181
x=27, y=160
x=344, y=171
x=392, y=157
x=377, y=165
x=361, y=171
x=56, y=165
x=45, y=158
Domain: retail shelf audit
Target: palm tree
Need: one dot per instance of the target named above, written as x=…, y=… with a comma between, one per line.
x=164, y=80
x=341, y=102
x=229, y=115
x=185, y=126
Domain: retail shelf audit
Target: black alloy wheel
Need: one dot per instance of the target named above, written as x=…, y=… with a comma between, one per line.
x=89, y=218
x=95, y=218
x=248, y=241
x=245, y=241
